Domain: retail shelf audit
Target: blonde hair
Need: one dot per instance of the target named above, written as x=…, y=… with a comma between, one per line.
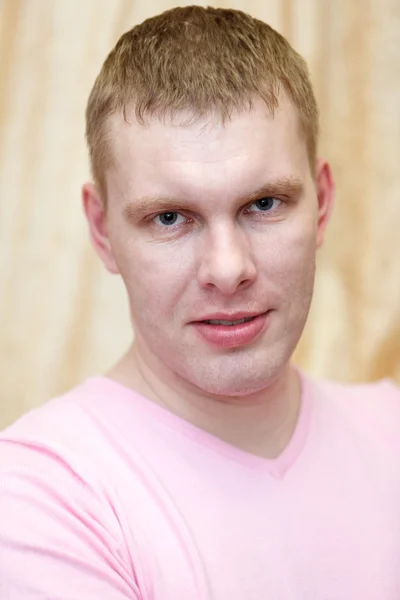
x=201, y=60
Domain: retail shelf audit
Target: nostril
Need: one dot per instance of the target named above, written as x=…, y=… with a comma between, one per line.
x=244, y=283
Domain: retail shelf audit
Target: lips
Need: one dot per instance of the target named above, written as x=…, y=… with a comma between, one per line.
x=232, y=331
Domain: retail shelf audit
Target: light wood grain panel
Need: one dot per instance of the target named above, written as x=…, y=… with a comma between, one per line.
x=61, y=316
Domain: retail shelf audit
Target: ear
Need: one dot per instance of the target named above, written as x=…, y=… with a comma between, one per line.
x=325, y=193
x=95, y=212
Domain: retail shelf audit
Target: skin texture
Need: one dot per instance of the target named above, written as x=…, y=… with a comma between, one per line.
x=222, y=253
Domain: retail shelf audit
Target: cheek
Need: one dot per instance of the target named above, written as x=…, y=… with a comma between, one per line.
x=287, y=254
x=156, y=276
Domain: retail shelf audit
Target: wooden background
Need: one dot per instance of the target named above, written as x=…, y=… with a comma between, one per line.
x=61, y=316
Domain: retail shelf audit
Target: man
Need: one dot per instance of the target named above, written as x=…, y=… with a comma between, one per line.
x=204, y=465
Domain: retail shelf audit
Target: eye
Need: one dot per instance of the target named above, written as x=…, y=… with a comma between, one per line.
x=168, y=218
x=265, y=204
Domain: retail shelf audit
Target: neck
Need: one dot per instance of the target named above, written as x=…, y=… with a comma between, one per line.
x=261, y=423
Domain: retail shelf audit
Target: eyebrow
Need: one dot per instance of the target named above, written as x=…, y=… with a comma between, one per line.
x=283, y=186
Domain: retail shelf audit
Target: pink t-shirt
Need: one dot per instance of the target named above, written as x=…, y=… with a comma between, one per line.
x=106, y=495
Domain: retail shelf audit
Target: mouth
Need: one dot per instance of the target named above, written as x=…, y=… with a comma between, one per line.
x=230, y=332
x=228, y=323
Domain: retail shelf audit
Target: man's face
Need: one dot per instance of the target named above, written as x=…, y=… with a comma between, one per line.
x=215, y=222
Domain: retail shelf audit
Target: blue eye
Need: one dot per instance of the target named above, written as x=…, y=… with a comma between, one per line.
x=168, y=218
x=265, y=204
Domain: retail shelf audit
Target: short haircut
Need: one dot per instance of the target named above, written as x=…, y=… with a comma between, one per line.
x=200, y=61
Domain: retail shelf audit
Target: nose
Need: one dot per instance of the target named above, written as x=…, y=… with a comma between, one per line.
x=227, y=263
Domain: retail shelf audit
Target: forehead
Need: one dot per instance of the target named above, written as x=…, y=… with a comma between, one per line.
x=254, y=144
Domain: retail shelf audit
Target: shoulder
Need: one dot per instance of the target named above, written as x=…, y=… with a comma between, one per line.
x=372, y=407
x=56, y=510
x=378, y=395
x=53, y=437
x=383, y=390
x=49, y=456
x=62, y=419
x=83, y=433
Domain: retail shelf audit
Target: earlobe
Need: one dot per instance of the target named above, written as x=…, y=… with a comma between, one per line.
x=93, y=206
x=325, y=192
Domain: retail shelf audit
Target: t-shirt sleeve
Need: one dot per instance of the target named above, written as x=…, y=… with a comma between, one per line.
x=57, y=538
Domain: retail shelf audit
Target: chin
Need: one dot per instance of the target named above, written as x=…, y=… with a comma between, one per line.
x=246, y=377
x=239, y=390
